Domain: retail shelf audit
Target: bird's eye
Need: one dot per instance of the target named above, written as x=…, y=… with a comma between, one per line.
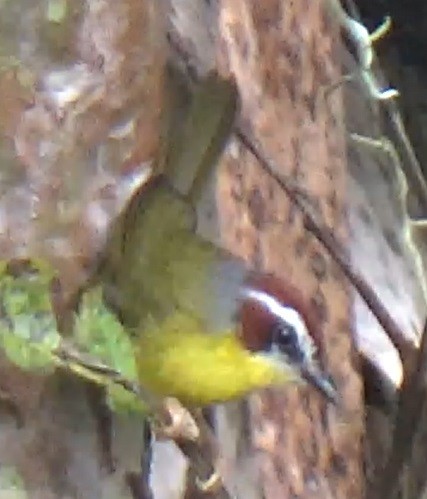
x=285, y=338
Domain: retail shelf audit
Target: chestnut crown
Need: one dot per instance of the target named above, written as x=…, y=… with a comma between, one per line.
x=275, y=320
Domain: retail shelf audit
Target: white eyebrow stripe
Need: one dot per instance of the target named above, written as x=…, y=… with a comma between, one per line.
x=286, y=314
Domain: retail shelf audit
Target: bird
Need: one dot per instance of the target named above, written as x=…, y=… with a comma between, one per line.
x=206, y=328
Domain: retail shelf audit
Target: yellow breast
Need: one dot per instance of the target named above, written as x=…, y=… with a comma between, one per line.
x=178, y=359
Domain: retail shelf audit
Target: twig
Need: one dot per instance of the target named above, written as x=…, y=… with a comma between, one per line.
x=326, y=237
x=97, y=372
x=414, y=167
x=363, y=42
x=408, y=417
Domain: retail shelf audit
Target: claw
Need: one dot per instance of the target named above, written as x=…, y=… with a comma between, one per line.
x=211, y=485
x=182, y=425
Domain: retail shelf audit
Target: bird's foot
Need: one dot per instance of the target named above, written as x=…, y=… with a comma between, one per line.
x=211, y=485
x=181, y=425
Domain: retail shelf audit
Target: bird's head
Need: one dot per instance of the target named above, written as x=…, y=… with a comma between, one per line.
x=275, y=321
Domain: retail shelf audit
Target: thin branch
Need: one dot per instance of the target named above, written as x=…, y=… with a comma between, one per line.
x=413, y=165
x=316, y=226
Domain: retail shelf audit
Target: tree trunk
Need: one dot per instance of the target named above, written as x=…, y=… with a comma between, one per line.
x=284, y=55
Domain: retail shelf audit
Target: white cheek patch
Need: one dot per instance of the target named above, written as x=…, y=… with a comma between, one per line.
x=285, y=314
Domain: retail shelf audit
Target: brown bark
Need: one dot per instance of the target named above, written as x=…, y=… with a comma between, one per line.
x=80, y=110
x=283, y=56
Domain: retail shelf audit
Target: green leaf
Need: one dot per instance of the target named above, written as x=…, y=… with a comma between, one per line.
x=27, y=326
x=100, y=334
x=29, y=336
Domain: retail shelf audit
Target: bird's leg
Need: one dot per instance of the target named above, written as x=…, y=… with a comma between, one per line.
x=214, y=482
x=188, y=429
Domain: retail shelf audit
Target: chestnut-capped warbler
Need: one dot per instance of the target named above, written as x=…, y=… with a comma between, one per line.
x=205, y=328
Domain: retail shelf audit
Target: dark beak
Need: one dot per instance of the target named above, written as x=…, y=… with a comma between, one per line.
x=321, y=381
